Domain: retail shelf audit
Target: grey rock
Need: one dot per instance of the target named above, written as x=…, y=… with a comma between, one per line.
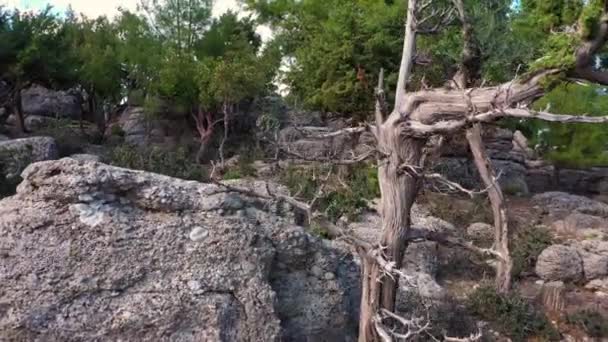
x=561, y=203
x=4, y=137
x=16, y=154
x=595, y=258
x=481, y=231
x=37, y=122
x=559, y=263
x=86, y=157
x=138, y=275
x=598, y=285
x=41, y=101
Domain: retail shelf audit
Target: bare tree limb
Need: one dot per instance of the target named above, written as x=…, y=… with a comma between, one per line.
x=420, y=234
x=585, y=54
x=407, y=55
x=380, y=103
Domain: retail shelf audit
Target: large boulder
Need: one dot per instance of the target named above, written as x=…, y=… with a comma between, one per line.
x=595, y=258
x=16, y=154
x=140, y=128
x=94, y=252
x=559, y=263
x=38, y=100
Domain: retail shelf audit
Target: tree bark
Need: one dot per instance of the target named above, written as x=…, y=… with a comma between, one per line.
x=501, y=229
x=398, y=192
x=18, y=109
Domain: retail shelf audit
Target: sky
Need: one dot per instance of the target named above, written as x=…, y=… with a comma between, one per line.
x=94, y=8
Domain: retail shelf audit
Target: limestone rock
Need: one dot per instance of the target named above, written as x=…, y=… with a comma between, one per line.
x=95, y=252
x=38, y=100
x=481, y=231
x=559, y=263
x=595, y=258
x=561, y=203
x=16, y=154
x=85, y=157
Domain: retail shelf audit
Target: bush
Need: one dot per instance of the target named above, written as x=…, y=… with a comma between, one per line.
x=176, y=163
x=70, y=140
x=592, y=322
x=346, y=196
x=526, y=246
x=11, y=165
x=511, y=315
x=458, y=211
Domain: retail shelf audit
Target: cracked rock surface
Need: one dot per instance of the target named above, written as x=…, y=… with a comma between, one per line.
x=91, y=252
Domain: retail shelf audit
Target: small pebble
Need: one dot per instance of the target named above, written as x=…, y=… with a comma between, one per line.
x=198, y=233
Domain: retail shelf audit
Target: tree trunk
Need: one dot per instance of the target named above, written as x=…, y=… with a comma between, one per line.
x=18, y=109
x=399, y=190
x=501, y=229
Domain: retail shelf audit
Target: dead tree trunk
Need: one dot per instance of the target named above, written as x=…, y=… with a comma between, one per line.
x=402, y=136
x=499, y=210
x=18, y=108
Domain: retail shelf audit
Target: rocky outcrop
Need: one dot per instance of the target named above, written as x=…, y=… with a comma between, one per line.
x=560, y=263
x=562, y=204
x=38, y=100
x=544, y=178
x=140, y=130
x=94, y=252
x=16, y=154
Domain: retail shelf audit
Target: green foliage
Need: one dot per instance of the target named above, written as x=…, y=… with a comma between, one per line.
x=526, y=246
x=11, y=165
x=511, y=315
x=244, y=167
x=318, y=230
x=176, y=163
x=70, y=140
x=458, y=211
x=571, y=145
x=346, y=196
x=592, y=322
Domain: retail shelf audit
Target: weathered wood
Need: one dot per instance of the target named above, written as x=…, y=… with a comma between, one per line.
x=499, y=210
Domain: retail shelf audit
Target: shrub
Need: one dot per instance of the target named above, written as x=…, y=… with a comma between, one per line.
x=343, y=196
x=592, y=322
x=458, y=211
x=117, y=131
x=11, y=165
x=526, y=246
x=175, y=163
x=67, y=135
x=511, y=315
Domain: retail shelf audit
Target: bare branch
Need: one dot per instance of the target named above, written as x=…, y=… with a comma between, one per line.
x=585, y=54
x=380, y=102
x=421, y=234
x=310, y=131
x=407, y=55
x=457, y=187
x=355, y=160
x=471, y=338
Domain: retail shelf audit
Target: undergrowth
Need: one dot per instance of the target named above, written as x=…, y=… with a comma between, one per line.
x=526, y=245
x=592, y=322
x=176, y=163
x=511, y=314
x=346, y=192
